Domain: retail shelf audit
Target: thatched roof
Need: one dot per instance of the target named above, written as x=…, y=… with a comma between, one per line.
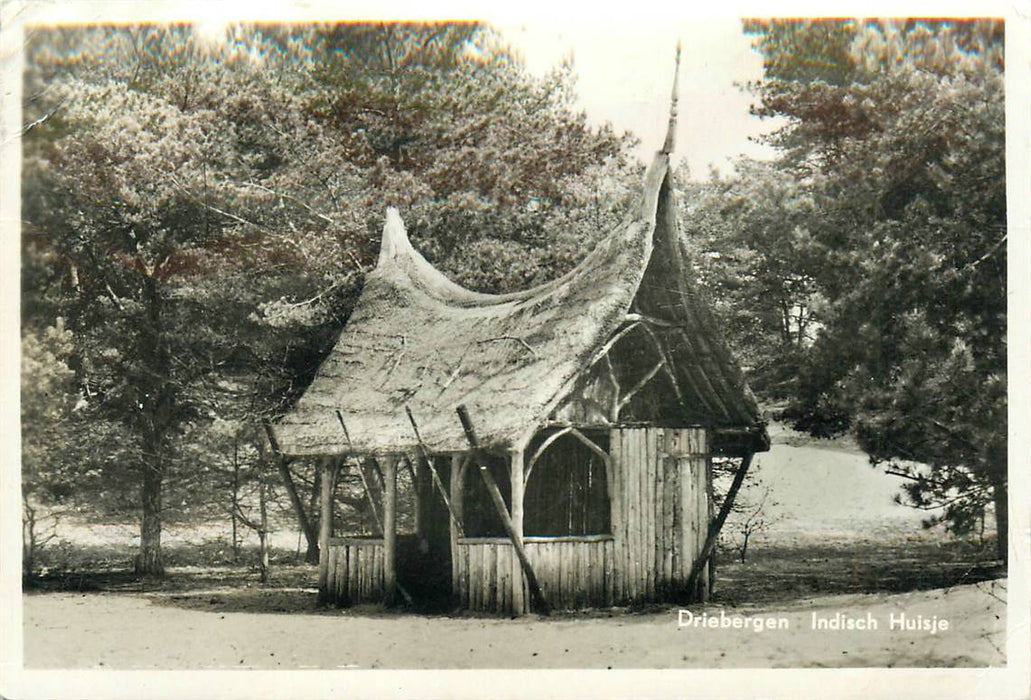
x=416, y=339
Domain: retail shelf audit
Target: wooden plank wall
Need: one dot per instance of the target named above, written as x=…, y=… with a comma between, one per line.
x=356, y=571
x=574, y=573
x=660, y=511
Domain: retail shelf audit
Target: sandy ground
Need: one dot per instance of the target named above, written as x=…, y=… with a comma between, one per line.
x=818, y=496
x=161, y=631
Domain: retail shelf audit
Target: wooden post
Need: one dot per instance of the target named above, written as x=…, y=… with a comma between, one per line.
x=417, y=470
x=390, y=526
x=711, y=498
x=291, y=490
x=714, y=529
x=503, y=514
x=328, y=474
x=457, y=474
x=518, y=489
x=380, y=523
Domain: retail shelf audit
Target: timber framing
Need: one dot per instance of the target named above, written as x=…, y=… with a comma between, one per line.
x=511, y=517
x=599, y=399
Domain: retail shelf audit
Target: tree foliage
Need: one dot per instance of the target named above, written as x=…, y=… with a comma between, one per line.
x=202, y=214
x=881, y=231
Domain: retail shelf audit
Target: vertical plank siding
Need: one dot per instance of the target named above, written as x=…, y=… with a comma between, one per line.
x=660, y=512
x=571, y=571
x=618, y=514
x=659, y=495
x=356, y=568
x=700, y=476
x=633, y=495
x=660, y=508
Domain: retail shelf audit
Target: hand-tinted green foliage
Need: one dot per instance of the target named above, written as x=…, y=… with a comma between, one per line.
x=880, y=234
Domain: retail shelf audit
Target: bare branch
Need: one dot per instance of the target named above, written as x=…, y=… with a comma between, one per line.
x=540, y=451
x=295, y=200
x=320, y=295
x=31, y=125
x=661, y=323
x=667, y=367
x=354, y=259
x=616, y=389
x=511, y=337
x=604, y=349
x=215, y=209
x=640, y=385
x=990, y=252
x=591, y=444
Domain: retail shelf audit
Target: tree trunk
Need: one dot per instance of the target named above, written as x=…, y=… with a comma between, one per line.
x=311, y=537
x=149, y=560
x=263, y=559
x=157, y=401
x=234, y=506
x=28, y=540
x=1000, y=497
x=314, y=516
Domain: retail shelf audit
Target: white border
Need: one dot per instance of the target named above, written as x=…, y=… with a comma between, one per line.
x=1011, y=682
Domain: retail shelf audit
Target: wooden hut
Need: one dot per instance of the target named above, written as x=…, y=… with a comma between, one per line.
x=579, y=472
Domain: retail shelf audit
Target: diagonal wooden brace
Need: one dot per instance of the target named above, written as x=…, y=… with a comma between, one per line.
x=361, y=473
x=717, y=525
x=425, y=455
x=284, y=473
x=506, y=520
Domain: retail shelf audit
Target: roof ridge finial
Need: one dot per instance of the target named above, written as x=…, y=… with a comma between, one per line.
x=395, y=241
x=668, y=145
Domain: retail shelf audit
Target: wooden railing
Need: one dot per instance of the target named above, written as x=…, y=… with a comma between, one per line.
x=575, y=572
x=356, y=571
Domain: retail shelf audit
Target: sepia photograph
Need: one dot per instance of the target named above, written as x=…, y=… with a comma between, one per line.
x=564, y=356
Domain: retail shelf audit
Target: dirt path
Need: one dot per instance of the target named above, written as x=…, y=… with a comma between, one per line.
x=158, y=631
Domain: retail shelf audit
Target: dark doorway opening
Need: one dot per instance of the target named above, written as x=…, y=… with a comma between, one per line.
x=424, y=552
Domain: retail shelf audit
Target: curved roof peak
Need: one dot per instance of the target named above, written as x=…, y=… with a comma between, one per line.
x=399, y=258
x=401, y=262
x=418, y=341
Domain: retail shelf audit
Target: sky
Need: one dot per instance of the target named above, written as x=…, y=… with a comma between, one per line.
x=625, y=75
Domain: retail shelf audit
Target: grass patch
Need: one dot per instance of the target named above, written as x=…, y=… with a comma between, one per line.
x=207, y=565
x=207, y=576
x=776, y=574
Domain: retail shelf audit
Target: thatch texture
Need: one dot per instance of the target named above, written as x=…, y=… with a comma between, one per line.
x=716, y=394
x=417, y=339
